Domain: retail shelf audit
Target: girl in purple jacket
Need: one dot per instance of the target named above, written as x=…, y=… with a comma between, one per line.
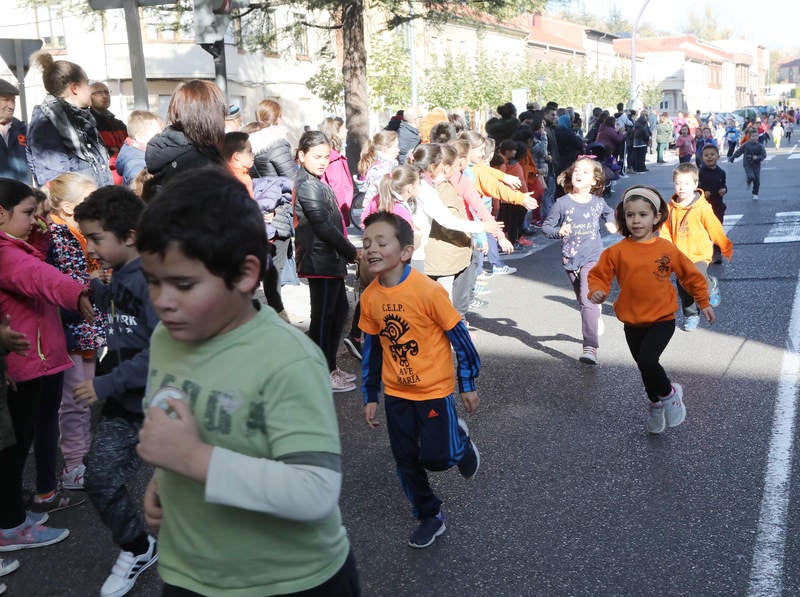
x=30, y=292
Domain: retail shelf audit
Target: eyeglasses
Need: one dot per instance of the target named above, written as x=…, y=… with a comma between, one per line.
x=101, y=93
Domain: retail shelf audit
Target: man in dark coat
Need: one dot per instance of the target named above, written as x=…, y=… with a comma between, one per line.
x=13, y=163
x=408, y=132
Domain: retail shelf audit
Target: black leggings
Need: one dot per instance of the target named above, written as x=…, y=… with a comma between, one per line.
x=342, y=584
x=646, y=344
x=328, y=314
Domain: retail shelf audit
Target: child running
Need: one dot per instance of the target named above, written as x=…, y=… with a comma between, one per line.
x=247, y=450
x=753, y=153
x=643, y=264
x=108, y=218
x=712, y=181
x=409, y=326
x=694, y=228
x=575, y=219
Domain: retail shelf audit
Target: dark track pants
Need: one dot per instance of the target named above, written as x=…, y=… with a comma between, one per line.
x=646, y=344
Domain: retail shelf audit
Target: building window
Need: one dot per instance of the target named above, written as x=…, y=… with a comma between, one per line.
x=257, y=32
x=50, y=27
x=300, y=36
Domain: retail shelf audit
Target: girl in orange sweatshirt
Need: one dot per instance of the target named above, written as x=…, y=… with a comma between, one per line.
x=642, y=263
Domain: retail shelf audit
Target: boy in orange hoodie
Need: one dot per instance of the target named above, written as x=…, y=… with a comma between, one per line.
x=692, y=226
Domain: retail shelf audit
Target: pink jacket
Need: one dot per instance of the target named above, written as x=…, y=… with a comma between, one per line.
x=31, y=292
x=337, y=176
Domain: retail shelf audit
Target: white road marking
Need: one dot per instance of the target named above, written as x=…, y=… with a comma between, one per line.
x=766, y=572
x=794, y=156
x=786, y=228
x=730, y=220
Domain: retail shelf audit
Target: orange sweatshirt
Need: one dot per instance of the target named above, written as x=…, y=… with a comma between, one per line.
x=643, y=271
x=489, y=183
x=695, y=229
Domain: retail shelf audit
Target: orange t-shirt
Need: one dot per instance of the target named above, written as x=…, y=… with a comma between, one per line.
x=411, y=319
x=643, y=270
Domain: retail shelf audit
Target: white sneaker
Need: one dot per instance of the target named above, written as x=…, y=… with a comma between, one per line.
x=339, y=384
x=8, y=566
x=345, y=375
x=589, y=355
x=755, y=197
x=72, y=478
x=127, y=569
x=674, y=408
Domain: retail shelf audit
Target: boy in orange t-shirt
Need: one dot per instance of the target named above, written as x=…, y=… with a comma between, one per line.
x=409, y=326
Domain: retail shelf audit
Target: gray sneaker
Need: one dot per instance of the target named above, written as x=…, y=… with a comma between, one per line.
x=674, y=408
x=655, y=418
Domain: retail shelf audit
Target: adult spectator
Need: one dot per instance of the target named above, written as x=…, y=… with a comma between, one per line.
x=408, y=132
x=194, y=134
x=549, y=115
x=394, y=122
x=609, y=137
x=641, y=139
x=504, y=127
x=13, y=163
x=663, y=137
x=112, y=130
x=570, y=145
x=270, y=142
x=63, y=135
x=530, y=108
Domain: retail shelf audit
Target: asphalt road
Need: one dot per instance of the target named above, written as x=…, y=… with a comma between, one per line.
x=573, y=496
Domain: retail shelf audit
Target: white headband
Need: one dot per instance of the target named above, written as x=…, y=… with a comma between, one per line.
x=644, y=193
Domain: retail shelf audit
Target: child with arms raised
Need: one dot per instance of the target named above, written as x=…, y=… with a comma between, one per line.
x=575, y=219
x=247, y=448
x=410, y=326
x=643, y=264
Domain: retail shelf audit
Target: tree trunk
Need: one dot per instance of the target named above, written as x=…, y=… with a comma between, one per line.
x=354, y=70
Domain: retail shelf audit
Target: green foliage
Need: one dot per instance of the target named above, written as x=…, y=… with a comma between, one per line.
x=705, y=26
x=651, y=94
x=327, y=84
x=389, y=74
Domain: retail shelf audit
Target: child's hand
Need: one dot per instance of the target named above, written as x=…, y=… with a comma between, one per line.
x=471, y=401
x=708, y=312
x=512, y=181
x=611, y=227
x=530, y=202
x=722, y=191
x=84, y=393
x=505, y=245
x=369, y=414
x=268, y=217
x=597, y=297
x=153, y=512
x=85, y=307
x=173, y=443
x=493, y=227
x=565, y=229
x=12, y=340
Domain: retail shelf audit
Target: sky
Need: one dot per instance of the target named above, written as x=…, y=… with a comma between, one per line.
x=774, y=30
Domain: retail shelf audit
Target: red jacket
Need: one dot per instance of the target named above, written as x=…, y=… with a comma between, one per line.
x=31, y=292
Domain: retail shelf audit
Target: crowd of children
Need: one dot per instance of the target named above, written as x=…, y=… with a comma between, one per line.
x=244, y=497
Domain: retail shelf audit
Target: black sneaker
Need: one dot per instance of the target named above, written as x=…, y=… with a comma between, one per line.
x=429, y=528
x=353, y=346
x=471, y=460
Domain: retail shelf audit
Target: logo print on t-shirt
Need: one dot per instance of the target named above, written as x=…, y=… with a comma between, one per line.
x=663, y=270
x=394, y=328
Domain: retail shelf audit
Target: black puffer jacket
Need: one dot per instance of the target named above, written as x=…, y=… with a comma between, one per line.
x=321, y=248
x=273, y=154
x=170, y=152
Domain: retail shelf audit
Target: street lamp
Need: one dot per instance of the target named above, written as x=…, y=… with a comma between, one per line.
x=634, y=91
x=540, y=83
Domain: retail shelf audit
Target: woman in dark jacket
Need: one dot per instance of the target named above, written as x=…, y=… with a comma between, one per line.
x=194, y=134
x=323, y=252
x=608, y=135
x=504, y=127
x=268, y=137
x=641, y=139
x=62, y=136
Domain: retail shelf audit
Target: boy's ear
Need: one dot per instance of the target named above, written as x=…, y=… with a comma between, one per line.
x=406, y=252
x=249, y=275
x=130, y=238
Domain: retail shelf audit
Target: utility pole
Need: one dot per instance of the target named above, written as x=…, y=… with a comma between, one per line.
x=634, y=90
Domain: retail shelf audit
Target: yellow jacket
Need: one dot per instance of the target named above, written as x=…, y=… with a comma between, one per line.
x=694, y=229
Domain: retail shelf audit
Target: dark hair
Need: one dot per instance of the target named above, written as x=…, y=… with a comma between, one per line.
x=427, y=155
x=710, y=146
x=551, y=106
x=630, y=195
x=458, y=122
x=507, y=110
x=209, y=215
x=402, y=229
x=117, y=208
x=312, y=139
x=507, y=145
x=235, y=141
x=443, y=132
x=13, y=192
x=57, y=74
x=198, y=109
x=536, y=120
x=524, y=134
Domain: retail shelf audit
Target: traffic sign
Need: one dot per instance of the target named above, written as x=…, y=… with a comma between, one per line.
x=16, y=52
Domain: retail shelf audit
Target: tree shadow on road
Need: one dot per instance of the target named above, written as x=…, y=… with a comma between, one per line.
x=504, y=326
